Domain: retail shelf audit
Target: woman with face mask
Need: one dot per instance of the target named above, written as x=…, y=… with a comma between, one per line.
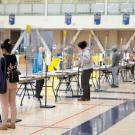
x=3, y=84
x=8, y=99
x=85, y=63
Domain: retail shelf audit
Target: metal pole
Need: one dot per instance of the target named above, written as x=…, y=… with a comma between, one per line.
x=18, y=43
x=129, y=41
x=75, y=37
x=28, y=43
x=46, y=7
x=64, y=45
x=106, y=7
x=98, y=42
x=47, y=62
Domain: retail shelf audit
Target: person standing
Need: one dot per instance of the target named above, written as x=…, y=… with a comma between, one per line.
x=115, y=67
x=132, y=61
x=86, y=64
x=8, y=99
x=3, y=86
x=40, y=82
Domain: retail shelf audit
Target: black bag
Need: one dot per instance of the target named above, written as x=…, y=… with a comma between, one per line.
x=3, y=82
x=14, y=76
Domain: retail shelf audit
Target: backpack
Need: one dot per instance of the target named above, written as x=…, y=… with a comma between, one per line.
x=3, y=83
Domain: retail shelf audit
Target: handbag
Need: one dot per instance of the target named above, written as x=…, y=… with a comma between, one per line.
x=14, y=75
x=3, y=82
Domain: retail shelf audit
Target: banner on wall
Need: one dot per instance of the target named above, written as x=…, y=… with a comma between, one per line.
x=68, y=18
x=126, y=18
x=97, y=18
x=12, y=19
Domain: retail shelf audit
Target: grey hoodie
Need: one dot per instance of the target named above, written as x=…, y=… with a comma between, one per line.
x=85, y=61
x=115, y=59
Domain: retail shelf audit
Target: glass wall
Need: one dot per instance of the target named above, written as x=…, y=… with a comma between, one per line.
x=65, y=1
x=118, y=1
x=90, y=1
x=121, y=1
x=76, y=1
x=22, y=1
x=52, y=1
x=59, y=7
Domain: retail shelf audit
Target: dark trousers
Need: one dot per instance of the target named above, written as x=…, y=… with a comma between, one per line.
x=85, y=76
x=39, y=86
x=132, y=70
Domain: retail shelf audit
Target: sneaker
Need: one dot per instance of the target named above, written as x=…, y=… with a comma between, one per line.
x=83, y=99
x=11, y=125
x=3, y=127
x=38, y=96
x=114, y=86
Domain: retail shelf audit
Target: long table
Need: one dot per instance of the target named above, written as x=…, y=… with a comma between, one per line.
x=66, y=75
x=62, y=74
x=125, y=69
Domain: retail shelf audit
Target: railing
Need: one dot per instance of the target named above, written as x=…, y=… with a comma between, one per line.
x=74, y=8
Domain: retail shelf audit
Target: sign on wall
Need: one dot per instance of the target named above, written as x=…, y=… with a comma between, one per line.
x=12, y=19
x=68, y=18
x=126, y=18
x=97, y=18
